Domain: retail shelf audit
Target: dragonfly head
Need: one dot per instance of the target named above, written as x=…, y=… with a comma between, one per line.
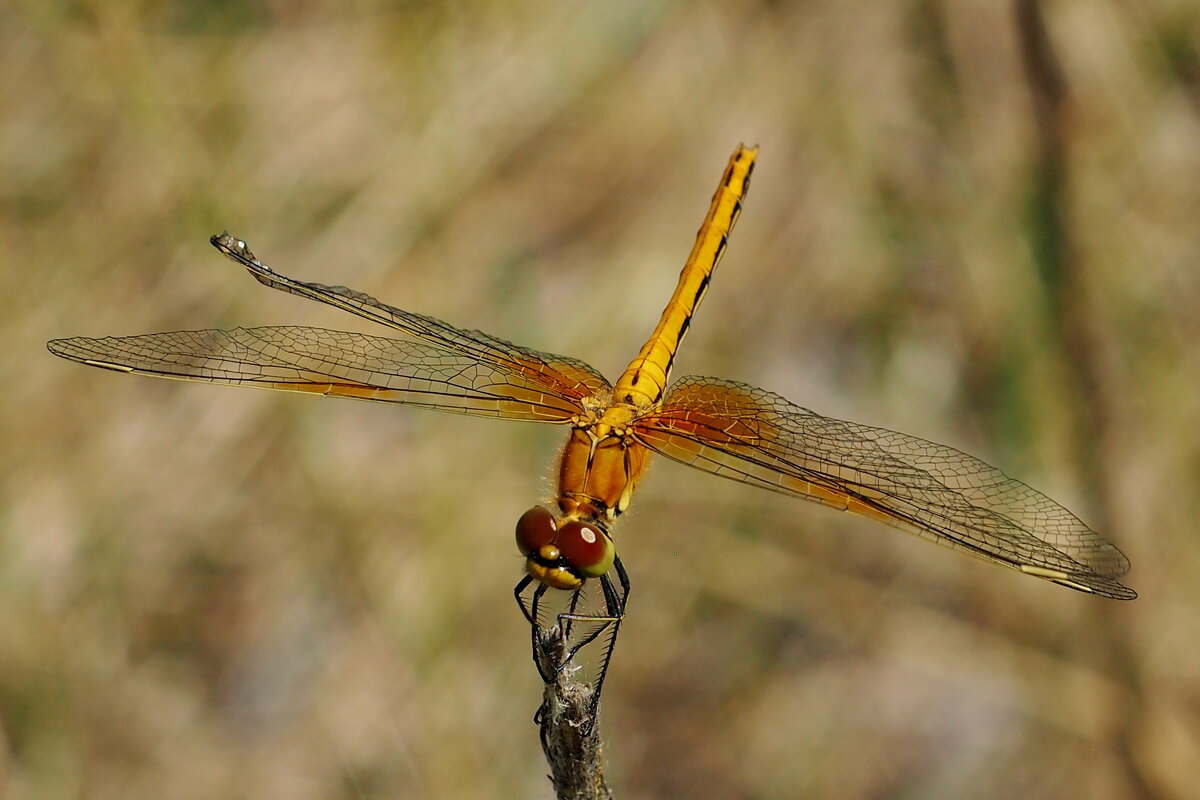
x=563, y=553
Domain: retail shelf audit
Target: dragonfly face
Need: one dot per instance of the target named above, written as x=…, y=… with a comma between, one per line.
x=562, y=552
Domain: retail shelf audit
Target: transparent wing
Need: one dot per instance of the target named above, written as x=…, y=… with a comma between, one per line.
x=567, y=376
x=317, y=361
x=939, y=493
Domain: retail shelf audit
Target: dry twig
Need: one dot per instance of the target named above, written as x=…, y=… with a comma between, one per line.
x=569, y=723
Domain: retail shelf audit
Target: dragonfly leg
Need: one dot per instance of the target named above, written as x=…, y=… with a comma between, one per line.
x=551, y=664
x=565, y=620
x=552, y=650
x=529, y=610
x=615, y=600
x=614, y=607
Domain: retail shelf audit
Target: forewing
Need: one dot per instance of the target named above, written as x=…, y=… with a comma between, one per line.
x=567, y=376
x=341, y=364
x=757, y=437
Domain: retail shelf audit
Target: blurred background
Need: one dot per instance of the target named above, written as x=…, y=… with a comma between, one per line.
x=978, y=223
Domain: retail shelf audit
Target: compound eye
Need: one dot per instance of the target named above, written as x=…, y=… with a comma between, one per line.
x=535, y=529
x=586, y=549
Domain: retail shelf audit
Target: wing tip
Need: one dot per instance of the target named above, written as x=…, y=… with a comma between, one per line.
x=1091, y=584
x=1102, y=588
x=239, y=252
x=85, y=351
x=72, y=349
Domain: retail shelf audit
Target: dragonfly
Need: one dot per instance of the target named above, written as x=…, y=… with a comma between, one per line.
x=722, y=427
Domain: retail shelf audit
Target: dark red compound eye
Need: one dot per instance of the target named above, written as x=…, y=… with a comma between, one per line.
x=535, y=529
x=586, y=548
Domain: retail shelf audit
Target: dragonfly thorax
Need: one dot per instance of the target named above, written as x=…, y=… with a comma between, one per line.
x=563, y=552
x=600, y=466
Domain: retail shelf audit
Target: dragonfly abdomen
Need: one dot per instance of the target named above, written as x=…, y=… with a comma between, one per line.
x=645, y=378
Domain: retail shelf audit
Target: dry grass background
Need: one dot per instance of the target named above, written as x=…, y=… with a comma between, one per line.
x=220, y=593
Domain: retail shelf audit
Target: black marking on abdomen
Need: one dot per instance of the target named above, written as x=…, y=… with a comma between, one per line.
x=702, y=287
x=683, y=329
x=721, y=248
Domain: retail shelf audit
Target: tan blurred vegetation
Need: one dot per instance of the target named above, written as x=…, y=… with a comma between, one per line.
x=957, y=229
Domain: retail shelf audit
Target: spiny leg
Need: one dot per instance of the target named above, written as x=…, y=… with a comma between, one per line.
x=567, y=618
x=615, y=603
x=546, y=667
x=530, y=611
x=550, y=659
x=603, y=622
